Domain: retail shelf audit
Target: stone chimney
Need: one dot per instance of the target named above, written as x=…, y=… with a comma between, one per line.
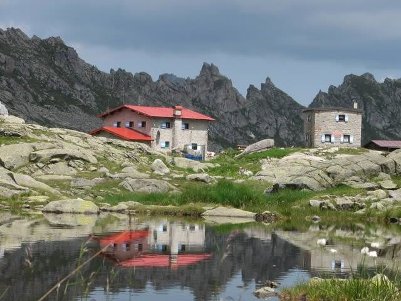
x=177, y=111
x=177, y=128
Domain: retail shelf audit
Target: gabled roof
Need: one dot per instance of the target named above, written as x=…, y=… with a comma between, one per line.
x=333, y=109
x=123, y=133
x=388, y=143
x=159, y=112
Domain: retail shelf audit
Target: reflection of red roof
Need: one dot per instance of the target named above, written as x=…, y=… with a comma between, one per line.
x=160, y=112
x=388, y=143
x=124, y=236
x=123, y=133
x=157, y=260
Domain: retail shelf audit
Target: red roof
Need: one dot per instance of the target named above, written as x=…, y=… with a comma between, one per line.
x=156, y=260
x=124, y=236
x=160, y=112
x=388, y=143
x=123, y=133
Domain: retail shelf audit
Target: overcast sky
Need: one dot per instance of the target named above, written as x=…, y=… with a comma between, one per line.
x=302, y=45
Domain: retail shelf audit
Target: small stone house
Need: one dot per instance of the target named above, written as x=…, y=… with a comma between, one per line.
x=162, y=128
x=327, y=127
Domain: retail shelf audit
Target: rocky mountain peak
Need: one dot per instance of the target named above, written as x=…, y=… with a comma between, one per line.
x=368, y=76
x=210, y=69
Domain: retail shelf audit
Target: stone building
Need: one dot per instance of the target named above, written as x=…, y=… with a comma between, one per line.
x=162, y=128
x=327, y=127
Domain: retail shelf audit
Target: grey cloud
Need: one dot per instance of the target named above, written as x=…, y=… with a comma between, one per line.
x=359, y=31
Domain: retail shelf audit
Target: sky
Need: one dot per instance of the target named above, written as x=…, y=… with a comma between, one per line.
x=303, y=46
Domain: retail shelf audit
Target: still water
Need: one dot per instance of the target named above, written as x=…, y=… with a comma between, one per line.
x=164, y=259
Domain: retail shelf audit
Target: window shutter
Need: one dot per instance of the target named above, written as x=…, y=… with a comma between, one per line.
x=139, y=124
x=163, y=144
x=323, y=138
x=342, y=139
x=346, y=118
x=115, y=124
x=337, y=118
x=127, y=124
x=163, y=126
x=351, y=139
x=333, y=139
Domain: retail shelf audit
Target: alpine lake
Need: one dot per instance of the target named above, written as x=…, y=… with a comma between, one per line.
x=121, y=257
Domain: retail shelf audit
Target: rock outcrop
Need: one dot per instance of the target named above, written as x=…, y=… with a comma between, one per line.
x=299, y=171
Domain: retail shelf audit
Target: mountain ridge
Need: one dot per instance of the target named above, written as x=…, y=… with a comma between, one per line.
x=46, y=82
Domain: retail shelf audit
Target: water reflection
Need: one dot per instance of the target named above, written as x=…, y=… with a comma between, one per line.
x=148, y=259
x=165, y=244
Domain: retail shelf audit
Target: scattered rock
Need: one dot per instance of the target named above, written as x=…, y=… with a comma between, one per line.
x=388, y=184
x=71, y=206
x=230, y=212
x=266, y=217
x=66, y=154
x=3, y=109
x=146, y=185
x=159, y=167
x=200, y=177
x=265, y=292
x=196, y=166
x=257, y=147
x=377, y=194
x=27, y=181
x=395, y=194
x=11, y=119
x=86, y=183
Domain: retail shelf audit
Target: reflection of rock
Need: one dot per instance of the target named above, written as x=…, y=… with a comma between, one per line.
x=67, y=219
x=228, y=212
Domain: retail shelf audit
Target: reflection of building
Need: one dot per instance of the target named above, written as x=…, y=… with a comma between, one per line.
x=163, y=244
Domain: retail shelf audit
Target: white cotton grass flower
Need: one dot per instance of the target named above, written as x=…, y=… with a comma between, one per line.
x=321, y=242
x=365, y=251
x=375, y=245
x=372, y=254
x=333, y=251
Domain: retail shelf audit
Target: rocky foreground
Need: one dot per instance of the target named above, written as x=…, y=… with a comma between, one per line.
x=47, y=168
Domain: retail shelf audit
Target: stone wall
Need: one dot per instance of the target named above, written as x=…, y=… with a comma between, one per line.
x=176, y=136
x=318, y=123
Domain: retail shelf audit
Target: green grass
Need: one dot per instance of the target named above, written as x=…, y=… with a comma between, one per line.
x=343, y=290
x=6, y=140
x=246, y=196
x=229, y=165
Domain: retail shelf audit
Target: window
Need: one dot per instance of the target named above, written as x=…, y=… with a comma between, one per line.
x=142, y=124
x=307, y=137
x=185, y=126
x=165, y=125
x=129, y=124
x=127, y=247
x=309, y=118
x=117, y=124
x=182, y=248
x=165, y=144
x=346, y=138
x=140, y=247
x=327, y=138
x=194, y=146
x=342, y=118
